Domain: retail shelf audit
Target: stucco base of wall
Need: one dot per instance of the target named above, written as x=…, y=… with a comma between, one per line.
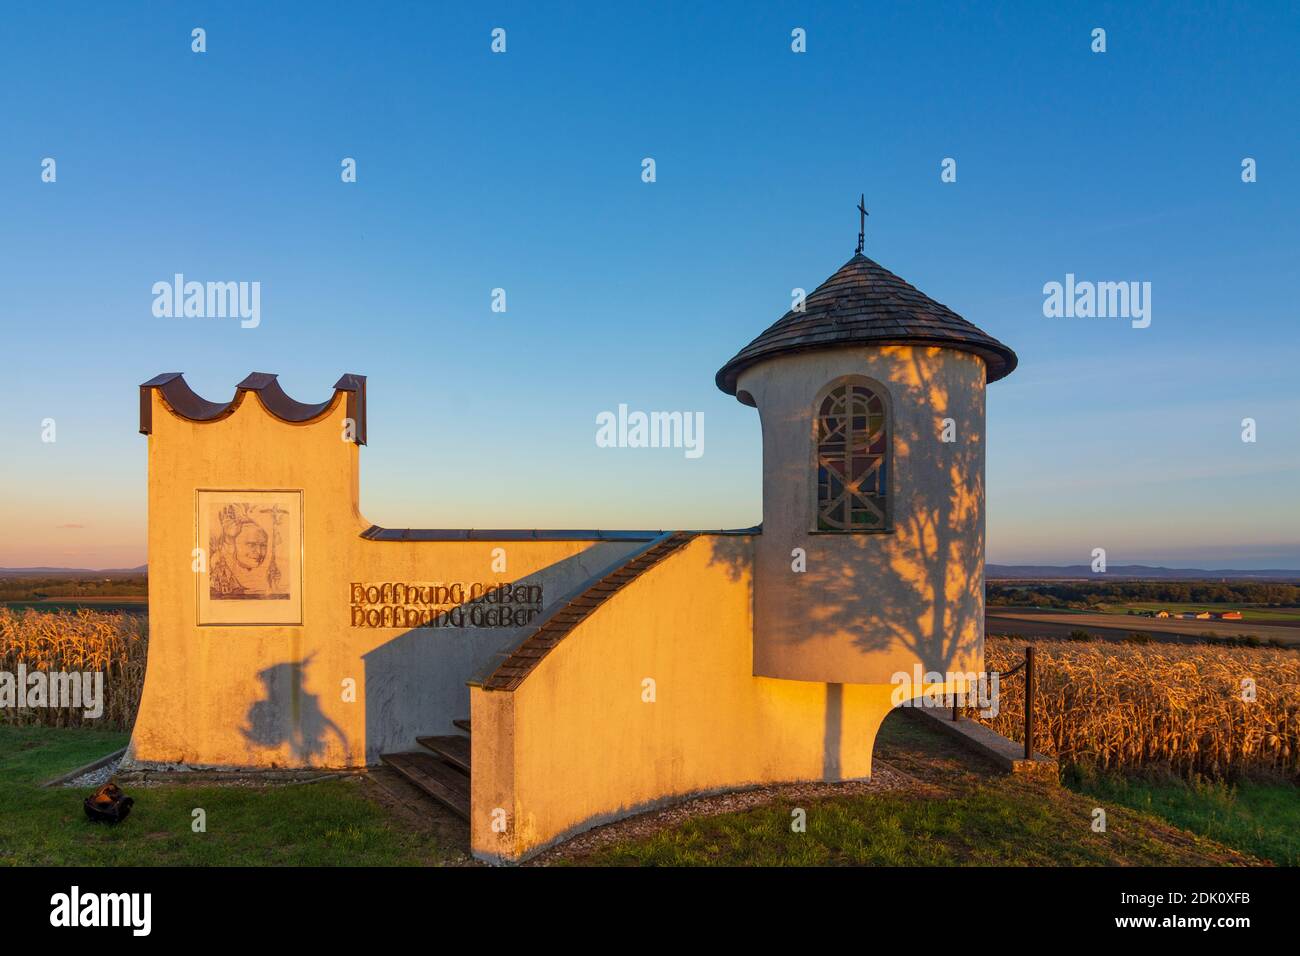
x=179, y=769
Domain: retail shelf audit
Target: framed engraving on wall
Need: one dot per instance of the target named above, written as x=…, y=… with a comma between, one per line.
x=253, y=544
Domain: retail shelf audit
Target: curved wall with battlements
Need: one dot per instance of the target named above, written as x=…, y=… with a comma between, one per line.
x=285, y=629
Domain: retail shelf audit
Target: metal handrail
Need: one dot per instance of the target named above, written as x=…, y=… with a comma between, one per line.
x=1027, y=665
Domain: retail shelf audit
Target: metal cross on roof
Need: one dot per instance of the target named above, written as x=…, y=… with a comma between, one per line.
x=862, y=221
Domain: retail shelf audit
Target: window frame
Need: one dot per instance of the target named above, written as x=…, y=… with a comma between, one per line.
x=886, y=401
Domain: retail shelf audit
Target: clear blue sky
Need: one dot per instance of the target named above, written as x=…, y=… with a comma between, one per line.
x=522, y=171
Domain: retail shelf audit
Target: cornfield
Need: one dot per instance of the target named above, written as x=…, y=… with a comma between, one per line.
x=1183, y=707
x=76, y=641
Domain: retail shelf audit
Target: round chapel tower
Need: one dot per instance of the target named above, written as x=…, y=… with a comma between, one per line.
x=871, y=556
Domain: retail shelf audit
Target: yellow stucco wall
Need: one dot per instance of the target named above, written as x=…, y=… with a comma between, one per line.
x=263, y=696
x=576, y=744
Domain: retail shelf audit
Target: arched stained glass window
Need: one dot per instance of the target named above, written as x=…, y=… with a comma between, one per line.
x=852, y=447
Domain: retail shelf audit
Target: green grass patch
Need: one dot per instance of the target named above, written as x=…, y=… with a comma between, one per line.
x=990, y=825
x=972, y=816
x=32, y=755
x=317, y=824
x=863, y=831
x=1259, y=818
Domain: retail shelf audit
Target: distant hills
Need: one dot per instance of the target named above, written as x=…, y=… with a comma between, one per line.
x=1038, y=572
x=72, y=572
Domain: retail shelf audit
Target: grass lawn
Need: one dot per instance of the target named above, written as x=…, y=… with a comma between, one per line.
x=1258, y=818
x=975, y=817
x=318, y=824
x=966, y=813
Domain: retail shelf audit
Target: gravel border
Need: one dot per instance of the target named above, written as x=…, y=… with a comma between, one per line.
x=66, y=780
x=95, y=778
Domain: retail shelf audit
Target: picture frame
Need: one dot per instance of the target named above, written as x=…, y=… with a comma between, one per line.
x=252, y=541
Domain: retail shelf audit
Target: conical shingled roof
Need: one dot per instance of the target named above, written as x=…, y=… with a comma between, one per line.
x=866, y=304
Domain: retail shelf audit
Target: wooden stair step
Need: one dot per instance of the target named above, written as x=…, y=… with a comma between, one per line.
x=454, y=749
x=462, y=723
x=439, y=780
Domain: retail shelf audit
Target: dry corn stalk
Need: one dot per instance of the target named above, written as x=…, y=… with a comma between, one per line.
x=82, y=641
x=1181, y=706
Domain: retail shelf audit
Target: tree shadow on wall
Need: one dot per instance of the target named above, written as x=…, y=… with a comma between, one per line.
x=735, y=552
x=935, y=561
x=913, y=588
x=288, y=714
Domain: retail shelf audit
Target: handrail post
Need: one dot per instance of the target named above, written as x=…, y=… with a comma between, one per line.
x=1029, y=703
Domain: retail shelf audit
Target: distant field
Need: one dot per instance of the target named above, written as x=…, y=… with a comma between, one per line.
x=1034, y=622
x=128, y=605
x=1249, y=612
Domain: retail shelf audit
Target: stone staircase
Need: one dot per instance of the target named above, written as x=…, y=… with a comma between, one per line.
x=440, y=770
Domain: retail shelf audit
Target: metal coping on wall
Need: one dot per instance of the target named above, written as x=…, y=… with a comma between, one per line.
x=184, y=402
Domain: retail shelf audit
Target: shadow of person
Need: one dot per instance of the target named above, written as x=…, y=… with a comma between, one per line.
x=287, y=714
